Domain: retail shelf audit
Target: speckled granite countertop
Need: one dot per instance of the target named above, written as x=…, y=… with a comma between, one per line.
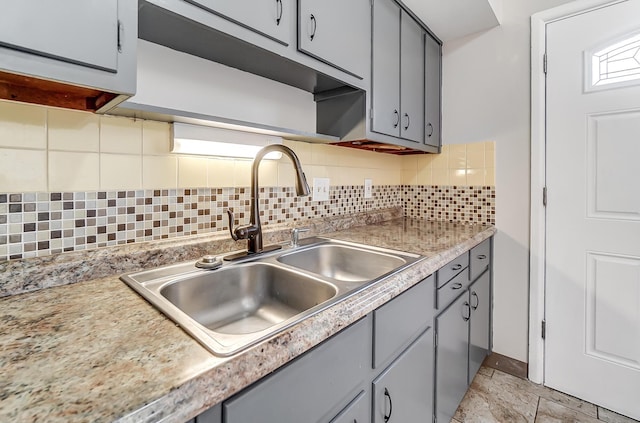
x=95, y=351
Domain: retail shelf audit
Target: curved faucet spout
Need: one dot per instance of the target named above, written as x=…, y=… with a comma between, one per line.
x=253, y=231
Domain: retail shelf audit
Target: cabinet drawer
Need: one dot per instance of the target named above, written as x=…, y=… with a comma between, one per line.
x=356, y=412
x=313, y=387
x=397, y=323
x=480, y=258
x=449, y=292
x=451, y=269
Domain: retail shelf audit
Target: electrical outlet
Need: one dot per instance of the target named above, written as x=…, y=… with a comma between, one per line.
x=320, y=189
x=368, y=188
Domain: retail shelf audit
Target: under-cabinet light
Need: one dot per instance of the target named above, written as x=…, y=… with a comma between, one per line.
x=210, y=141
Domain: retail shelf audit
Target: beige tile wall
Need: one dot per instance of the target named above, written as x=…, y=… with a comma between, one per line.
x=458, y=164
x=47, y=149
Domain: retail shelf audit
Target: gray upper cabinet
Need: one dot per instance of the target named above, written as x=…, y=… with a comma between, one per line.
x=91, y=41
x=267, y=17
x=336, y=32
x=411, y=79
x=386, y=68
x=87, y=43
x=433, y=93
x=398, y=73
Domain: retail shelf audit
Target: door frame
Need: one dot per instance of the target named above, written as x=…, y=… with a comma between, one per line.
x=537, y=252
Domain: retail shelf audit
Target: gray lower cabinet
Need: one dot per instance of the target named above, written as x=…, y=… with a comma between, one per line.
x=212, y=415
x=337, y=32
x=398, y=364
x=432, y=91
x=89, y=43
x=313, y=388
x=270, y=18
x=463, y=327
x=452, y=350
x=404, y=391
x=358, y=410
x=480, y=323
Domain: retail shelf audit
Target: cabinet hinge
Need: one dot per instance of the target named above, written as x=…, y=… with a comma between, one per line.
x=544, y=329
x=544, y=63
x=544, y=196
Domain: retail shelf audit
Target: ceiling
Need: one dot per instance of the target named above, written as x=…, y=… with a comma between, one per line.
x=445, y=19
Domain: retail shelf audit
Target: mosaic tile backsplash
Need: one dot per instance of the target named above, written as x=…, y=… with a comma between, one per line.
x=40, y=224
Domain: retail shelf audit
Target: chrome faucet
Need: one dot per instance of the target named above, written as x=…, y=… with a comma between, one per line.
x=253, y=231
x=295, y=236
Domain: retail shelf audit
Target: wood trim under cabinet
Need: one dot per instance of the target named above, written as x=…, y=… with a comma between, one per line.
x=507, y=364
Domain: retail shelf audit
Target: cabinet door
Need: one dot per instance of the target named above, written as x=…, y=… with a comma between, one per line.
x=267, y=17
x=313, y=387
x=396, y=324
x=432, y=96
x=411, y=79
x=452, y=349
x=337, y=32
x=358, y=411
x=386, y=68
x=82, y=32
x=404, y=392
x=212, y=415
x=479, y=331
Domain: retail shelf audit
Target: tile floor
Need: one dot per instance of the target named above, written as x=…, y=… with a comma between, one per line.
x=495, y=396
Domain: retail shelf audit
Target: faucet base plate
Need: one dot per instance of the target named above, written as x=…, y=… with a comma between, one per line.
x=245, y=254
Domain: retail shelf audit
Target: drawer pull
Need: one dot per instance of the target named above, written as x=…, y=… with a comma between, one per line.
x=388, y=395
x=475, y=295
x=467, y=316
x=481, y=257
x=456, y=285
x=457, y=267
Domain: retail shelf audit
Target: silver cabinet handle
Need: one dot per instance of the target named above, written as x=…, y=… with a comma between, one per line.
x=466, y=306
x=388, y=395
x=456, y=285
x=395, y=112
x=457, y=267
x=408, y=121
x=279, y=10
x=475, y=295
x=314, y=25
x=430, y=127
x=482, y=257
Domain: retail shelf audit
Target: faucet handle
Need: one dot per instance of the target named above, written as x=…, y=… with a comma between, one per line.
x=295, y=234
x=231, y=220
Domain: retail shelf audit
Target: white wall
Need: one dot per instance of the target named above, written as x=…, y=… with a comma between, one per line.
x=486, y=86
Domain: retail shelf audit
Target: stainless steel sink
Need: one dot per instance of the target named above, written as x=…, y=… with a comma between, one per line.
x=343, y=262
x=246, y=298
x=245, y=302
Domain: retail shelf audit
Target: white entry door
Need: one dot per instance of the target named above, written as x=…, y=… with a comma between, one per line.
x=592, y=299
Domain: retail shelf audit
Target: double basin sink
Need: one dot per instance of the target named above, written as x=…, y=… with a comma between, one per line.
x=244, y=302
